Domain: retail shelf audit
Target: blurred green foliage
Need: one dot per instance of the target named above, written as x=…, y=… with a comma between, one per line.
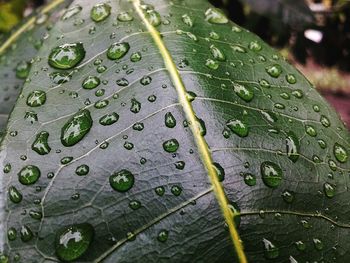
x=11, y=13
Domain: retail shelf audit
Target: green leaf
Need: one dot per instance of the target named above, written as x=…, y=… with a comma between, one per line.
x=136, y=142
x=16, y=62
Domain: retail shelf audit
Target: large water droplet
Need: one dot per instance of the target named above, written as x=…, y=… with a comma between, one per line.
x=215, y=16
x=100, y=12
x=274, y=71
x=340, y=153
x=76, y=128
x=270, y=250
x=29, y=175
x=41, y=145
x=244, y=92
x=73, y=241
x=238, y=127
x=118, y=50
x=271, y=174
x=91, y=82
x=66, y=56
x=171, y=145
x=293, y=146
x=36, y=98
x=122, y=181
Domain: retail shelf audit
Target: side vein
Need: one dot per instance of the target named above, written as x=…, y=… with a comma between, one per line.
x=200, y=141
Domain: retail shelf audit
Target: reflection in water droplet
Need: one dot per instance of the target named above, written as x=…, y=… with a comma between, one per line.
x=122, y=181
x=163, y=236
x=270, y=250
x=340, y=153
x=14, y=195
x=215, y=16
x=22, y=69
x=91, y=82
x=118, y=50
x=76, y=128
x=250, y=179
x=66, y=56
x=293, y=146
x=217, y=53
x=109, y=119
x=220, y=172
x=171, y=145
x=100, y=12
x=73, y=241
x=26, y=233
x=238, y=127
x=124, y=17
x=29, y=175
x=329, y=190
x=36, y=98
x=271, y=174
x=244, y=92
x=274, y=71
x=40, y=145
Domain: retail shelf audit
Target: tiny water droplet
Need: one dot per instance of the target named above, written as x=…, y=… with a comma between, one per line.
x=163, y=236
x=250, y=179
x=124, y=17
x=26, y=233
x=14, y=195
x=220, y=172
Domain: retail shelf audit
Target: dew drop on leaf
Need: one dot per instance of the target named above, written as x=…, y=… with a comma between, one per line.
x=249, y=179
x=118, y=50
x=288, y=196
x=134, y=204
x=170, y=120
x=82, y=170
x=271, y=174
x=29, y=175
x=238, y=127
x=60, y=77
x=100, y=12
x=12, y=234
x=41, y=145
x=171, y=145
x=135, y=57
x=340, y=153
x=329, y=190
x=217, y=53
x=73, y=241
x=153, y=17
x=72, y=11
x=270, y=250
x=109, y=119
x=310, y=130
x=187, y=20
x=76, y=128
x=14, y=195
x=91, y=82
x=176, y=190
x=274, y=71
x=66, y=56
x=215, y=16
x=122, y=181
x=212, y=64
x=325, y=121
x=124, y=17
x=26, y=233
x=36, y=98
x=159, y=190
x=163, y=236
x=244, y=92
x=220, y=172
x=22, y=69
x=255, y=46
x=292, y=146
x=291, y=79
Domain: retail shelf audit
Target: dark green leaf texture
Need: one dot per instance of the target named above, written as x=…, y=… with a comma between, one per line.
x=15, y=63
x=128, y=185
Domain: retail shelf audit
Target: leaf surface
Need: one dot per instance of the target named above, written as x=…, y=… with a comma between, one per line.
x=112, y=171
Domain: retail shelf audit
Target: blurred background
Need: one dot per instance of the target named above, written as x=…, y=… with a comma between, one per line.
x=314, y=35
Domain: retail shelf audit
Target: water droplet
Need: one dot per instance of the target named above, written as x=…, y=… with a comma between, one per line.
x=134, y=204
x=128, y=145
x=118, y=50
x=26, y=233
x=329, y=190
x=239, y=49
x=170, y=120
x=100, y=12
x=146, y=80
x=36, y=98
x=250, y=179
x=332, y=165
x=270, y=250
x=14, y=195
x=73, y=241
x=91, y=82
x=201, y=127
x=138, y=126
x=271, y=174
x=122, y=181
x=217, y=53
x=340, y=153
x=310, y=130
x=41, y=145
x=325, y=121
x=60, y=77
x=76, y=128
x=301, y=246
x=293, y=146
x=288, y=196
x=82, y=170
x=29, y=175
x=163, y=236
x=215, y=16
x=190, y=96
x=220, y=172
x=35, y=214
x=212, y=64
x=66, y=56
x=135, y=57
x=238, y=127
x=11, y=234
x=22, y=69
x=244, y=92
x=176, y=190
x=109, y=119
x=125, y=17
x=72, y=11
x=298, y=93
x=171, y=145
x=274, y=71
x=255, y=46
x=318, y=244
x=135, y=106
x=322, y=144
x=101, y=104
x=291, y=79
x=123, y=82
x=159, y=190
x=31, y=117
x=180, y=165
x=66, y=159
x=214, y=35
x=264, y=83
x=153, y=17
